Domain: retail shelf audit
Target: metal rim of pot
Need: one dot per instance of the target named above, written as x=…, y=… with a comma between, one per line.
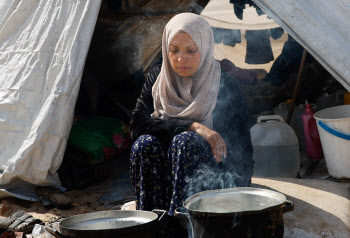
x=280, y=201
x=235, y=212
x=74, y=226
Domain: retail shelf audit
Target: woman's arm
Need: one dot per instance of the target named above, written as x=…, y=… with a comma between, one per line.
x=141, y=121
x=217, y=144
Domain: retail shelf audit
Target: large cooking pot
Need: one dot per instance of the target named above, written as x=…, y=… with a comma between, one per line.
x=114, y=224
x=235, y=212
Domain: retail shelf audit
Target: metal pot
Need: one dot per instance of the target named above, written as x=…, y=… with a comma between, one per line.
x=111, y=224
x=235, y=212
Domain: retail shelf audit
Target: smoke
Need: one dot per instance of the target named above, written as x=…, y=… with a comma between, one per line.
x=208, y=177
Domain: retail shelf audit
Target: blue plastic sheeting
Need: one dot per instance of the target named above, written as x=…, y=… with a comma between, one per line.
x=120, y=192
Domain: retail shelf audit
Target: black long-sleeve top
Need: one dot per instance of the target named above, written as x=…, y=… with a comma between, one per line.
x=229, y=120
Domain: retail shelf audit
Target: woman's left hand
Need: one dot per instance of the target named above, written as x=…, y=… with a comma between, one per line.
x=217, y=144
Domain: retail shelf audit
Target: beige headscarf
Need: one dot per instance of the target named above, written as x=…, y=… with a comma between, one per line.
x=191, y=98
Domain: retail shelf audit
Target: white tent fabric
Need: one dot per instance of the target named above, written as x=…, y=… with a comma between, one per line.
x=322, y=27
x=43, y=45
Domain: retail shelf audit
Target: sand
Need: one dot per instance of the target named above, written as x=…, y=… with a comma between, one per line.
x=84, y=201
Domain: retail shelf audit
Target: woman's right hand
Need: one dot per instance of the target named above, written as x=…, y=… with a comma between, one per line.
x=217, y=144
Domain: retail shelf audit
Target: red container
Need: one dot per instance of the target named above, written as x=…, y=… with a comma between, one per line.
x=312, y=139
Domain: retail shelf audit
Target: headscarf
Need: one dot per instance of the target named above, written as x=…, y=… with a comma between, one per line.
x=192, y=98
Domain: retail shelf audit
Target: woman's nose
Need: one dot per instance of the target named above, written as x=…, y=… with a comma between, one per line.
x=181, y=57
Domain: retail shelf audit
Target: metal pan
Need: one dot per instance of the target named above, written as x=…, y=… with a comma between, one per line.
x=111, y=224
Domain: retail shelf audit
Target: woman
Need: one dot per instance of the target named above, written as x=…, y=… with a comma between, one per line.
x=189, y=114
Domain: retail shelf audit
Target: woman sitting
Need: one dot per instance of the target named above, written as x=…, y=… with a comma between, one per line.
x=190, y=115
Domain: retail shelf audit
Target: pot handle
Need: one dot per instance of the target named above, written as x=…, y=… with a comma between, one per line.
x=181, y=213
x=270, y=118
x=288, y=206
x=54, y=232
x=160, y=213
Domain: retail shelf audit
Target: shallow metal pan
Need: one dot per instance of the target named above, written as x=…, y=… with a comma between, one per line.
x=111, y=224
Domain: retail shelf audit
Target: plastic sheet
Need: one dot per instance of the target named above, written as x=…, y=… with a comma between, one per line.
x=43, y=47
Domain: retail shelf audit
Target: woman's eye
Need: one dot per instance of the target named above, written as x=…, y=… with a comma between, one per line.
x=174, y=51
x=192, y=51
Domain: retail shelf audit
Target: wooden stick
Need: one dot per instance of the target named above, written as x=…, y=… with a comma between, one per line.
x=291, y=109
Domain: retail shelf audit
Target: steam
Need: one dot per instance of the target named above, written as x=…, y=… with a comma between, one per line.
x=208, y=177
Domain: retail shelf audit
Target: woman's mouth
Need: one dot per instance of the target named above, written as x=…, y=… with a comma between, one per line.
x=182, y=69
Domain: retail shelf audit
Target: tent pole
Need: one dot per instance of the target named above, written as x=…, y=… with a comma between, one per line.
x=291, y=109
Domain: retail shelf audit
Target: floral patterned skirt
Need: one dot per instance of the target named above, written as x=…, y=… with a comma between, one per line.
x=159, y=174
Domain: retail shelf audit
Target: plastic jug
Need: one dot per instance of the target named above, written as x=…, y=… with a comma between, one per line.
x=275, y=148
x=312, y=138
x=299, y=117
x=283, y=110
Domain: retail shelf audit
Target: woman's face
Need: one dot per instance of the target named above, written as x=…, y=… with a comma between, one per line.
x=184, y=55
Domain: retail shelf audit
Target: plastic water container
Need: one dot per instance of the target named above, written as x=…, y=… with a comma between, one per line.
x=275, y=148
x=283, y=109
x=296, y=121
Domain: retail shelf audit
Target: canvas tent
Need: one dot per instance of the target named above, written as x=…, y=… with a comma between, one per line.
x=43, y=47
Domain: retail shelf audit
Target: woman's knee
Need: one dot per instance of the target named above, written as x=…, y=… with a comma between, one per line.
x=145, y=144
x=144, y=141
x=190, y=139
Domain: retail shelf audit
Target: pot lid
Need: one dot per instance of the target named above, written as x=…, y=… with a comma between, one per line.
x=231, y=200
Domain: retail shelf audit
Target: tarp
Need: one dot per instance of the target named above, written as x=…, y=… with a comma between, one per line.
x=322, y=27
x=43, y=46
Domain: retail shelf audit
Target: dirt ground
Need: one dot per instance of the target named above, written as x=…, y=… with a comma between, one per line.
x=84, y=201
x=321, y=207
x=313, y=216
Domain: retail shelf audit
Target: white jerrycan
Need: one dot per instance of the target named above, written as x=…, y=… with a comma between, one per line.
x=275, y=148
